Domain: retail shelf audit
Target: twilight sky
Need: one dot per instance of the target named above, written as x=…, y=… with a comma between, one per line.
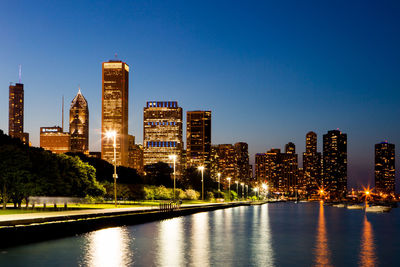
x=270, y=72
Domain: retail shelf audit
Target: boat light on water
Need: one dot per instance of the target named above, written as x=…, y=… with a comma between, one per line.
x=377, y=209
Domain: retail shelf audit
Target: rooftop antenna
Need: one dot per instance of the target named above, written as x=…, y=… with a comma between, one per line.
x=62, y=119
x=20, y=74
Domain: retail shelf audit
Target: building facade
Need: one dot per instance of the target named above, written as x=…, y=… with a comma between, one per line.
x=135, y=159
x=335, y=163
x=242, y=161
x=55, y=140
x=114, y=111
x=162, y=133
x=198, y=138
x=224, y=160
x=16, y=113
x=312, y=168
x=79, y=124
x=385, y=171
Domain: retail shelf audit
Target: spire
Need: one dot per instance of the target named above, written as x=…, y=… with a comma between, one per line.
x=79, y=90
x=20, y=74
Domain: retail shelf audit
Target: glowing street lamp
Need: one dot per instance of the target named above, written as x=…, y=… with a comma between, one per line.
x=173, y=157
x=109, y=135
x=255, y=191
x=229, y=180
x=201, y=168
x=247, y=190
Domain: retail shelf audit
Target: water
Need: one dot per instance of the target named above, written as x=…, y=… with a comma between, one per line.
x=286, y=234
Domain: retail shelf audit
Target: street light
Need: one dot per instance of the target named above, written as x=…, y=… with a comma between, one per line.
x=242, y=189
x=201, y=168
x=109, y=135
x=229, y=180
x=247, y=190
x=173, y=157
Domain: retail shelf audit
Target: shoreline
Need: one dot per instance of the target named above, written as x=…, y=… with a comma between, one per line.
x=42, y=228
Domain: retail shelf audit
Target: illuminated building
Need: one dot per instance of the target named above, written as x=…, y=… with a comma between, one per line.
x=114, y=111
x=162, y=133
x=312, y=164
x=385, y=171
x=135, y=159
x=279, y=170
x=198, y=138
x=224, y=162
x=289, y=168
x=16, y=113
x=335, y=163
x=242, y=161
x=79, y=124
x=55, y=140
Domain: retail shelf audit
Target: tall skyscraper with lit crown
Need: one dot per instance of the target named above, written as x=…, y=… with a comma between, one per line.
x=114, y=111
x=79, y=124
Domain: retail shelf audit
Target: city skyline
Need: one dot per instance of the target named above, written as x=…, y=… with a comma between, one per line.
x=363, y=106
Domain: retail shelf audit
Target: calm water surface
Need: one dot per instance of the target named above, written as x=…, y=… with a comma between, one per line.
x=286, y=234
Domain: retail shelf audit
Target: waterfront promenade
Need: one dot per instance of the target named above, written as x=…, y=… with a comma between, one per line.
x=32, y=227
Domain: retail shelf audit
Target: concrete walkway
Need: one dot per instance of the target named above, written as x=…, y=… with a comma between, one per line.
x=40, y=217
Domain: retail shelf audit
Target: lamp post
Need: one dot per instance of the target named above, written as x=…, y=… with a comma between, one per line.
x=247, y=190
x=109, y=135
x=242, y=189
x=229, y=180
x=173, y=157
x=201, y=168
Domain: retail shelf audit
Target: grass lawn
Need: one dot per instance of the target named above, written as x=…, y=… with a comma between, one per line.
x=18, y=211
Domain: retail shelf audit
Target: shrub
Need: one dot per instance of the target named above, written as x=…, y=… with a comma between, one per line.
x=192, y=194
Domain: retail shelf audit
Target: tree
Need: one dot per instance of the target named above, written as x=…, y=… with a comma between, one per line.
x=158, y=174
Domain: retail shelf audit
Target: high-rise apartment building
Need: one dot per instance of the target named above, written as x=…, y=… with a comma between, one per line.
x=290, y=168
x=242, y=161
x=135, y=159
x=335, y=163
x=198, y=138
x=162, y=133
x=385, y=171
x=312, y=179
x=224, y=160
x=114, y=111
x=16, y=113
x=79, y=124
x=55, y=140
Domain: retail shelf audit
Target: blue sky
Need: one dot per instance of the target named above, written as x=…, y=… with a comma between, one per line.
x=269, y=71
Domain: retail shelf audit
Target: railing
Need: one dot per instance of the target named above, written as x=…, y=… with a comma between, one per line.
x=168, y=207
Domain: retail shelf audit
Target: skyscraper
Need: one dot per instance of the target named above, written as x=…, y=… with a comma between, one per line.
x=335, y=163
x=312, y=164
x=162, y=133
x=79, y=124
x=114, y=111
x=224, y=160
x=385, y=168
x=290, y=168
x=242, y=161
x=198, y=138
x=135, y=160
x=16, y=113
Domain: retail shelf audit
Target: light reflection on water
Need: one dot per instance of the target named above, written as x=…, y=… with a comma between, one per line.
x=170, y=243
x=367, y=251
x=200, y=247
x=108, y=247
x=321, y=251
x=280, y=234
